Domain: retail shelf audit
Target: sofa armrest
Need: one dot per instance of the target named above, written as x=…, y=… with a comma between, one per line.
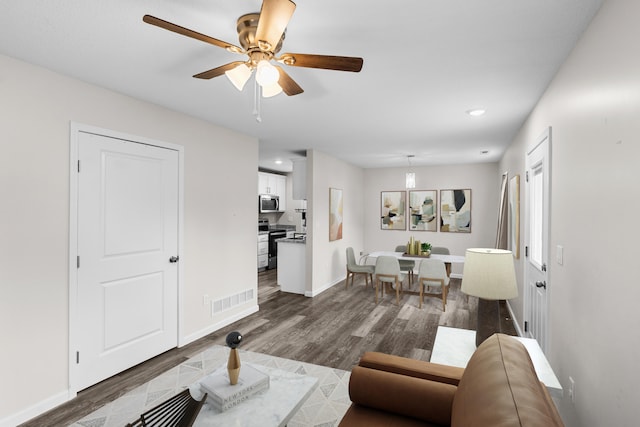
x=411, y=367
x=409, y=396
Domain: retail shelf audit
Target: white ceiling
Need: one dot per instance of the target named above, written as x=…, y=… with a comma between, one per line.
x=426, y=62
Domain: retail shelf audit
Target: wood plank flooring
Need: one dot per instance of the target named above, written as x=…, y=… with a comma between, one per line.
x=332, y=329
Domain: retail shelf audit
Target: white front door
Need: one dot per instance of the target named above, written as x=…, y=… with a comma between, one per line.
x=127, y=283
x=537, y=282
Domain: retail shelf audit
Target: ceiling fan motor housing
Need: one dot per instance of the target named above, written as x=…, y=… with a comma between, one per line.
x=246, y=26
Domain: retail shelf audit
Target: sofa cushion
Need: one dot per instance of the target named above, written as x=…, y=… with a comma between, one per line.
x=411, y=367
x=399, y=394
x=500, y=387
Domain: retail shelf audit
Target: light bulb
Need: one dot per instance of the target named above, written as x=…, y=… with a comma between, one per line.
x=266, y=74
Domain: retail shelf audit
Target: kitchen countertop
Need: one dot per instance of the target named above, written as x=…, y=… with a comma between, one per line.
x=291, y=240
x=279, y=227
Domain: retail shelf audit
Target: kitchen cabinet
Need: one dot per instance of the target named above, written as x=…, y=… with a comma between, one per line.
x=292, y=266
x=274, y=184
x=263, y=250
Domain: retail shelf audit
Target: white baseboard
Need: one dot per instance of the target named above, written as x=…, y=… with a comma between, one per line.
x=37, y=409
x=515, y=321
x=65, y=396
x=324, y=288
x=216, y=326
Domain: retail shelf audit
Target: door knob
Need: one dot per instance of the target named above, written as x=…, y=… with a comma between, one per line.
x=174, y=259
x=541, y=285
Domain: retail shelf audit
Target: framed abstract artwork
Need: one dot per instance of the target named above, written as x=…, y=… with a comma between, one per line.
x=392, y=209
x=335, y=214
x=423, y=210
x=455, y=211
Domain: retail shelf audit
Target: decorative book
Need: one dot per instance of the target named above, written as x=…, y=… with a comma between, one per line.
x=222, y=395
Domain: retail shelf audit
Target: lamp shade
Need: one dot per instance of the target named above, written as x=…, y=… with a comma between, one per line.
x=410, y=180
x=271, y=90
x=239, y=75
x=489, y=274
x=266, y=74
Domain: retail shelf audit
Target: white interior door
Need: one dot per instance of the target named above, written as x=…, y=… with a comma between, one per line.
x=537, y=282
x=127, y=285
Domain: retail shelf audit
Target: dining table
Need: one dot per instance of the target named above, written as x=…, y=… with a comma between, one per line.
x=447, y=259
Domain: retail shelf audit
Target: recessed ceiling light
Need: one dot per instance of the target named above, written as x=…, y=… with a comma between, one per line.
x=476, y=112
x=278, y=162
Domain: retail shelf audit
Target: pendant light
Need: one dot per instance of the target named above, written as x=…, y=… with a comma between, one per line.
x=410, y=177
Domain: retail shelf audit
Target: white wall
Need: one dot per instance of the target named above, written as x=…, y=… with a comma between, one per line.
x=593, y=106
x=36, y=107
x=326, y=261
x=484, y=181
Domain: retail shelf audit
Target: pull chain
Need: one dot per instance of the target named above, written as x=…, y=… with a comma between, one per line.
x=256, y=102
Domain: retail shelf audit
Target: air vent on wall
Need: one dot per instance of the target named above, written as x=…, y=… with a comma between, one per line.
x=229, y=302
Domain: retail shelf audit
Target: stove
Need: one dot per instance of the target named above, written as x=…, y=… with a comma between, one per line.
x=274, y=234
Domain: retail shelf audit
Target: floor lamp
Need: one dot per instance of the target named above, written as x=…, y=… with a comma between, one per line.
x=489, y=274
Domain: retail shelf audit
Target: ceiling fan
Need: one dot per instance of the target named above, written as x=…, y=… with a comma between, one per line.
x=261, y=36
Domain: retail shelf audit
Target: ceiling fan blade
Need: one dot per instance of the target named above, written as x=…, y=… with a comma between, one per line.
x=190, y=33
x=288, y=85
x=274, y=17
x=327, y=62
x=218, y=71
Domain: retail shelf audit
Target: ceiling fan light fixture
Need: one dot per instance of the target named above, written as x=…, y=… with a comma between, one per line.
x=270, y=90
x=266, y=74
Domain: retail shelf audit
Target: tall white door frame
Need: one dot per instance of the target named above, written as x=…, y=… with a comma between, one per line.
x=75, y=130
x=537, y=287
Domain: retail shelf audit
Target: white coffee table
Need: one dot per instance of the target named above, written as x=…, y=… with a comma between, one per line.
x=454, y=347
x=272, y=407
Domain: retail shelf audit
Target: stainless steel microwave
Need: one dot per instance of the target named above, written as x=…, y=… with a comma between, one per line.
x=268, y=203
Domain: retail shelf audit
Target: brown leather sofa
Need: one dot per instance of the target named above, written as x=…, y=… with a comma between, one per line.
x=498, y=388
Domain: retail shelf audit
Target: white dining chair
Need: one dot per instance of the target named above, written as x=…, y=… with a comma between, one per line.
x=354, y=268
x=388, y=272
x=433, y=274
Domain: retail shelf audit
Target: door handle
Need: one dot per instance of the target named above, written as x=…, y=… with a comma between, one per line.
x=174, y=259
x=541, y=284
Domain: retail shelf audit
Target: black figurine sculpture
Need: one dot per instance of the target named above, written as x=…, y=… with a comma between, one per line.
x=233, y=364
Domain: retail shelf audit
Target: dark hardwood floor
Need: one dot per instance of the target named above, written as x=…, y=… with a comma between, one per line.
x=332, y=329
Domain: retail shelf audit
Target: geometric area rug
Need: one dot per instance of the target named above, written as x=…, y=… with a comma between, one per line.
x=324, y=408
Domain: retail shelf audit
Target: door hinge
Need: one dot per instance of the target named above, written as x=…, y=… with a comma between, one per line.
x=78, y=261
x=526, y=251
x=526, y=176
x=526, y=326
x=77, y=357
x=78, y=165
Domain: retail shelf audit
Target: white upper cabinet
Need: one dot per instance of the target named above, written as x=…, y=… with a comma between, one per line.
x=274, y=184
